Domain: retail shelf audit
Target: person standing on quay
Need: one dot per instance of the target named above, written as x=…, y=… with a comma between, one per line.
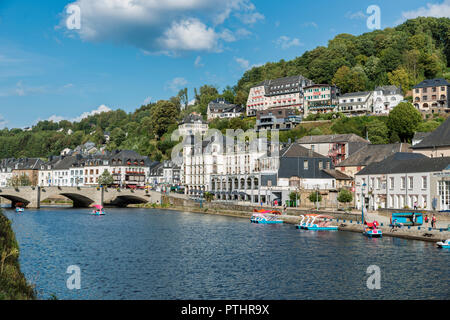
x=426, y=221
x=433, y=222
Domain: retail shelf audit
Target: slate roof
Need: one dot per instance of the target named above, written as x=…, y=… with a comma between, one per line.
x=332, y=138
x=406, y=163
x=355, y=94
x=373, y=153
x=192, y=118
x=438, y=138
x=432, y=83
x=420, y=135
x=223, y=106
x=387, y=90
x=295, y=150
x=339, y=175
x=27, y=164
x=296, y=83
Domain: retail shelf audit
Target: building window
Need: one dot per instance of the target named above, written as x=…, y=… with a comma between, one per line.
x=305, y=165
x=411, y=182
x=403, y=185
x=391, y=183
x=424, y=183
x=320, y=165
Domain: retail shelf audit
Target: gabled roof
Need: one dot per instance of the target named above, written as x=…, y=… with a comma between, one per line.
x=432, y=83
x=373, y=153
x=339, y=175
x=406, y=163
x=420, y=135
x=192, y=118
x=332, y=139
x=295, y=151
x=438, y=138
x=356, y=94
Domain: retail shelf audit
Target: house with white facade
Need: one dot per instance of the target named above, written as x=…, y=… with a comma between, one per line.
x=386, y=98
x=282, y=92
x=222, y=109
x=192, y=124
x=405, y=179
x=356, y=103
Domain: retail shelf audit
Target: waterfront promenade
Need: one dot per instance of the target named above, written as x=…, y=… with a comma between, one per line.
x=347, y=221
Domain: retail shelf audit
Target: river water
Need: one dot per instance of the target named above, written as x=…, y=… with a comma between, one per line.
x=157, y=254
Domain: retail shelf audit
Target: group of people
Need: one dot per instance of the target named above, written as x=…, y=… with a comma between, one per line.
x=433, y=221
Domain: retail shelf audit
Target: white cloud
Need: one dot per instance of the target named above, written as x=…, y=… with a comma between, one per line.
x=355, y=15
x=198, y=62
x=243, y=63
x=310, y=24
x=100, y=109
x=250, y=18
x=437, y=10
x=176, y=84
x=285, y=42
x=3, y=122
x=189, y=35
x=147, y=100
x=167, y=26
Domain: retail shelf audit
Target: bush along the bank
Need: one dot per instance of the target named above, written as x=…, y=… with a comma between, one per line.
x=13, y=284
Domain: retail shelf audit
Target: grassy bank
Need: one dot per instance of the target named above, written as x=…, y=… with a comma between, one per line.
x=13, y=284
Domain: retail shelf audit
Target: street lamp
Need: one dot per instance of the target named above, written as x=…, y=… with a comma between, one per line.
x=362, y=201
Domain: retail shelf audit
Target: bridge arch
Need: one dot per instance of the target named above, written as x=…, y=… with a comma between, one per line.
x=125, y=200
x=15, y=200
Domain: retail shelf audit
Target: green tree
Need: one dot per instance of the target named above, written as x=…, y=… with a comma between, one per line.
x=164, y=114
x=400, y=78
x=315, y=197
x=105, y=179
x=378, y=132
x=19, y=180
x=404, y=120
x=345, y=196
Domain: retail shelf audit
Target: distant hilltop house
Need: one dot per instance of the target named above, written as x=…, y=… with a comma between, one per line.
x=386, y=98
x=193, y=124
x=282, y=92
x=432, y=96
x=222, y=109
x=277, y=119
x=356, y=103
x=337, y=146
x=435, y=144
x=321, y=98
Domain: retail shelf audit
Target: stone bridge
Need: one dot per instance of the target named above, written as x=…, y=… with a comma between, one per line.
x=82, y=197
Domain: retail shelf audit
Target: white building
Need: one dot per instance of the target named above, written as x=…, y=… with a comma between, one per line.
x=356, y=103
x=386, y=98
x=403, y=179
x=222, y=109
x=282, y=92
x=192, y=124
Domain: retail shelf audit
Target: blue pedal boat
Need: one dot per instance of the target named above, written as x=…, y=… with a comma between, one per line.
x=372, y=231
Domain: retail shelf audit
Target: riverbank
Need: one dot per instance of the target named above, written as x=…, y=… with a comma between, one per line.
x=346, y=221
x=13, y=284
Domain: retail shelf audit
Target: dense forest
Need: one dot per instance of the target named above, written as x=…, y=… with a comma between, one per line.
x=404, y=55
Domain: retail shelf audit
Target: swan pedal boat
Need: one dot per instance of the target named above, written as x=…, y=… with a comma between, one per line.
x=444, y=244
x=98, y=211
x=263, y=219
x=322, y=225
x=19, y=210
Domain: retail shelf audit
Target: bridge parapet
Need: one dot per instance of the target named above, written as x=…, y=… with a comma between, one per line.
x=31, y=197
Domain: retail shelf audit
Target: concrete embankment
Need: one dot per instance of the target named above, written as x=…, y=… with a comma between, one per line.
x=346, y=221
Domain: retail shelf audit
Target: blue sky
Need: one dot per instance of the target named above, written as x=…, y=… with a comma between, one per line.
x=132, y=52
